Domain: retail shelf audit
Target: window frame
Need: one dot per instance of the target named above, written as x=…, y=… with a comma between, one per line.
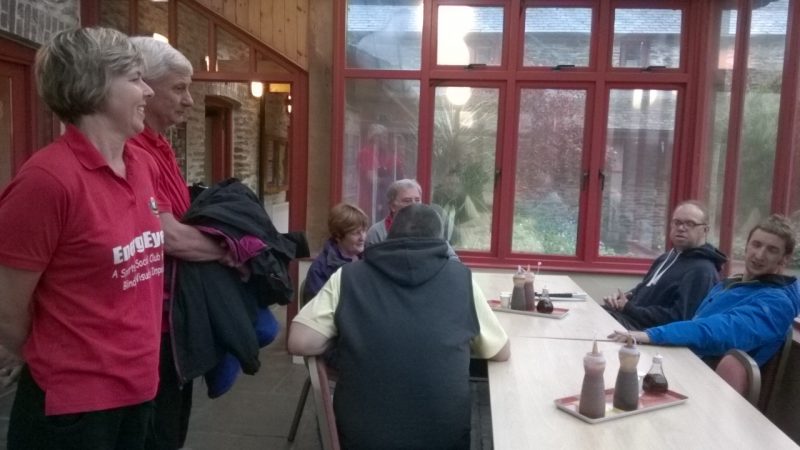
x=690, y=78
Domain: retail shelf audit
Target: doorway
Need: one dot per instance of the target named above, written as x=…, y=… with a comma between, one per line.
x=219, y=126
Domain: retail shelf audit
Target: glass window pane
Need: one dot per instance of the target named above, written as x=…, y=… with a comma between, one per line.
x=556, y=36
x=463, y=162
x=548, y=176
x=153, y=18
x=469, y=35
x=193, y=37
x=715, y=155
x=647, y=37
x=384, y=36
x=760, y=119
x=636, y=181
x=233, y=55
x=380, y=140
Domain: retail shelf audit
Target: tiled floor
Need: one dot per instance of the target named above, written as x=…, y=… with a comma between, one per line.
x=257, y=412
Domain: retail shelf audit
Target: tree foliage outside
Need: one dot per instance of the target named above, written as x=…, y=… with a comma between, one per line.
x=465, y=139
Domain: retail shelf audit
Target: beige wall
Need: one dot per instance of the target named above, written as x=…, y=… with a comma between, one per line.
x=319, y=125
x=283, y=25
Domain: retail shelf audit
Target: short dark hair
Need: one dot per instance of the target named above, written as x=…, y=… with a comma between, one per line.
x=779, y=226
x=416, y=221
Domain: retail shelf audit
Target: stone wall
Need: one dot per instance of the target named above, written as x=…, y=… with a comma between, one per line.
x=189, y=140
x=38, y=20
x=246, y=112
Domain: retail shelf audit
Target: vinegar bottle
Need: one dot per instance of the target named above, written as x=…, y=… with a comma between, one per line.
x=545, y=305
x=592, y=402
x=655, y=382
x=626, y=390
x=518, y=294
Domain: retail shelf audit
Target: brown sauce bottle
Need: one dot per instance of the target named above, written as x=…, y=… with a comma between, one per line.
x=655, y=382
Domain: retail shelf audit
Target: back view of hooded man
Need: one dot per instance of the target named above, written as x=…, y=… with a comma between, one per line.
x=406, y=319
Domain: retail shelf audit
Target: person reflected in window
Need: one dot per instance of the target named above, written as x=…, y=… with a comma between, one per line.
x=677, y=280
x=347, y=225
x=380, y=162
x=751, y=312
x=404, y=339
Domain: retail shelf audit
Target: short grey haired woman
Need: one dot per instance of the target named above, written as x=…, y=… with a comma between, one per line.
x=81, y=270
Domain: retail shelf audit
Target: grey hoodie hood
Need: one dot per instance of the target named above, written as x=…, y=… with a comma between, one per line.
x=408, y=261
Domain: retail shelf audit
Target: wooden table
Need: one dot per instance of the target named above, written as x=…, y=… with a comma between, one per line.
x=550, y=366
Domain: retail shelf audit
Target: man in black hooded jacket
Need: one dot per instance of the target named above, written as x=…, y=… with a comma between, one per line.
x=677, y=281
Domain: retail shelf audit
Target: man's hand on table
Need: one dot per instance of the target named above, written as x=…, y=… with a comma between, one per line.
x=622, y=336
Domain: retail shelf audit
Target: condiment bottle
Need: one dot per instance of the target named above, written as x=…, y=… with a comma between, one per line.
x=530, y=296
x=626, y=390
x=655, y=382
x=545, y=305
x=518, y=295
x=592, y=402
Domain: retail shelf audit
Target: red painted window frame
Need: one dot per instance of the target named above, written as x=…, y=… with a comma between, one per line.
x=698, y=56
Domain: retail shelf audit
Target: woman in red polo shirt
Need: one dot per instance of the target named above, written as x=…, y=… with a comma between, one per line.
x=81, y=256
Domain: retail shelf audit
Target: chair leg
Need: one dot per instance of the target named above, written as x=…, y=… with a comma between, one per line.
x=298, y=412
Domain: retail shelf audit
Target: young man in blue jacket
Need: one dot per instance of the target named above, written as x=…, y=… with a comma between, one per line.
x=751, y=312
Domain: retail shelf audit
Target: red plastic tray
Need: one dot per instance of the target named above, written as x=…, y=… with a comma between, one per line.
x=558, y=313
x=647, y=402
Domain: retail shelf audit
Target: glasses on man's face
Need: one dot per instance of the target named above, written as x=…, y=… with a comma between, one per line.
x=689, y=224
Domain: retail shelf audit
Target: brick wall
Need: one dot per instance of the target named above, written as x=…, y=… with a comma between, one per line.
x=189, y=140
x=38, y=20
x=245, y=134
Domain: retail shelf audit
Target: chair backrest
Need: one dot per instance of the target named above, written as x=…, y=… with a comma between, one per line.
x=323, y=402
x=772, y=373
x=740, y=371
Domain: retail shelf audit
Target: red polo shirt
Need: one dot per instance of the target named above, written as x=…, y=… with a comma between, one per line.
x=96, y=310
x=171, y=191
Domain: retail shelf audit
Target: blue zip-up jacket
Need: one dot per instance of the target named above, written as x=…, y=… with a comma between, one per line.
x=753, y=316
